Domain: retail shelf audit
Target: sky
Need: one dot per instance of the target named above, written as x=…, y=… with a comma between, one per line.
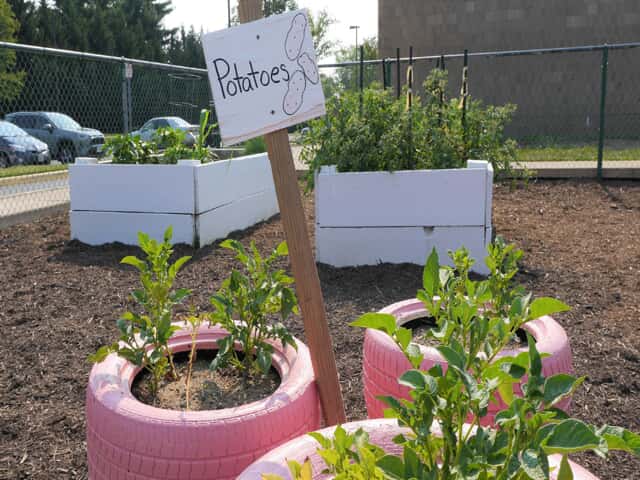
x=211, y=15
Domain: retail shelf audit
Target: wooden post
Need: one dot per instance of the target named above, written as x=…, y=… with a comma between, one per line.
x=302, y=260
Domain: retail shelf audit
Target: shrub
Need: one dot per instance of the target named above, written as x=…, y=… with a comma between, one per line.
x=386, y=136
x=255, y=145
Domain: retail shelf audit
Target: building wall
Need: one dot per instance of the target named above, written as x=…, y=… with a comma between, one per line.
x=557, y=95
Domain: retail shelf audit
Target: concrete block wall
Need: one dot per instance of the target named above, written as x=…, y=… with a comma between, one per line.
x=557, y=95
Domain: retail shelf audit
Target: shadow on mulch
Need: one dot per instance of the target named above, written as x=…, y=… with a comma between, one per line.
x=60, y=300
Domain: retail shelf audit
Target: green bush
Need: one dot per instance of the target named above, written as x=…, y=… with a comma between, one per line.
x=255, y=145
x=386, y=136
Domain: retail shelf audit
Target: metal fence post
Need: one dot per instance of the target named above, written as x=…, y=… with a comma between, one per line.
x=361, y=76
x=603, y=102
x=125, y=99
x=384, y=74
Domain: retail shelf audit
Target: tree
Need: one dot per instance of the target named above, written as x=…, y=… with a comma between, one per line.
x=319, y=30
x=349, y=77
x=10, y=81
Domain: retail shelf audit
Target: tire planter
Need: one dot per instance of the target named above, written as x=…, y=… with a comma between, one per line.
x=129, y=440
x=383, y=362
x=381, y=433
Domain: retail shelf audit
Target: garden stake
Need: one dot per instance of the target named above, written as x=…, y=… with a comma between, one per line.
x=398, y=71
x=603, y=101
x=302, y=261
x=464, y=94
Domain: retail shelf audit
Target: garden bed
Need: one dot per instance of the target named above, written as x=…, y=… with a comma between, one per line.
x=60, y=299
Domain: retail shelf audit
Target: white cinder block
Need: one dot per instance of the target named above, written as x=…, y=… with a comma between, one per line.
x=203, y=203
x=366, y=218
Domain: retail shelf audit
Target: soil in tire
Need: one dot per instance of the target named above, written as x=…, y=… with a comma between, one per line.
x=421, y=327
x=209, y=390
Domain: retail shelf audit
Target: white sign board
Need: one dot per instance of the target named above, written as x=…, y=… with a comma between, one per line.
x=263, y=76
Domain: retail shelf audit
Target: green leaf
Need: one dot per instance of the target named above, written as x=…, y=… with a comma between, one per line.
x=403, y=337
x=618, y=438
x=546, y=306
x=451, y=356
x=413, y=379
x=168, y=233
x=102, y=353
x=565, y=472
x=384, y=322
x=431, y=274
x=175, y=268
x=559, y=386
x=282, y=250
x=263, y=358
x=535, y=464
x=392, y=466
x=505, y=390
x=134, y=262
x=180, y=294
x=571, y=436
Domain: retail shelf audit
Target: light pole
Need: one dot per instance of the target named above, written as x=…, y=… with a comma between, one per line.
x=355, y=27
x=229, y=13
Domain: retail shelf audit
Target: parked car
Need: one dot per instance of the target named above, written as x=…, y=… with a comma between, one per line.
x=149, y=129
x=17, y=147
x=64, y=136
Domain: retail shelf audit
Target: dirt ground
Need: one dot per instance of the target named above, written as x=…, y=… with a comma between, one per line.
x=60, y=301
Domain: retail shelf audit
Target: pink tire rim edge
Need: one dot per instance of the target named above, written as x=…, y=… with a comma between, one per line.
x=381, y=433
x=161, y=443
x=550, y=338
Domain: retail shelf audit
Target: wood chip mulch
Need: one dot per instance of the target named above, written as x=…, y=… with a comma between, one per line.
x=60, y=300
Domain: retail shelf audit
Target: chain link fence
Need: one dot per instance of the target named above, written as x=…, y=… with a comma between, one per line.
x=578, y=103
x=109, y=94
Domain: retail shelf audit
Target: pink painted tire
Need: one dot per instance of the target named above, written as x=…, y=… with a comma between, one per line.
x=381, y=433
x=128, y=440
x=383, y=362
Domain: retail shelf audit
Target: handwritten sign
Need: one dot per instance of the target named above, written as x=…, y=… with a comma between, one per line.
x=263, y=76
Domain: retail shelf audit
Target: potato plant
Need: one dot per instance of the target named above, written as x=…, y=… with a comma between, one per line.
x=144, y=336
x=474, y=321
x=245, y=305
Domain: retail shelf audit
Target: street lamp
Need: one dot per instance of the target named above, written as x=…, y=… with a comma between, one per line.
x=229, y=13
x=355, y=27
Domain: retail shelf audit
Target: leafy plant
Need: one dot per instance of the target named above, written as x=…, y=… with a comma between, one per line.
x=255, y=145
x=387, y=136
x=244, y=306
x=129, y=149
x=173, y=140
x=144, y=336
x=475, y=320
x=446, y=441
x=347, y=456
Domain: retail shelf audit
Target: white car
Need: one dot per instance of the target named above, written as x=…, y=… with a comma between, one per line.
x=149, y=129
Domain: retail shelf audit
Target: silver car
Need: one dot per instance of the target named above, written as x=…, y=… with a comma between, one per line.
x=149, y=129
x=17, y=147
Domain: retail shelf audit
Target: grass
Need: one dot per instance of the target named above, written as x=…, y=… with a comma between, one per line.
x=19, y=170
x=575, y=154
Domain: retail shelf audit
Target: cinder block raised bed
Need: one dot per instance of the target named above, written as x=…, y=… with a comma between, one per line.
x=202, y=202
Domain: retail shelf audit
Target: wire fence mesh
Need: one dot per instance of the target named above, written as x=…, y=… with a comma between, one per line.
x=558, y=94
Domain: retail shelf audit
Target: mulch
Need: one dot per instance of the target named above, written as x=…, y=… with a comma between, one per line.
x=60, y=300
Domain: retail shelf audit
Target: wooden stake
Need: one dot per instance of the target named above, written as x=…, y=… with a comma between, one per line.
x=302, y=260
